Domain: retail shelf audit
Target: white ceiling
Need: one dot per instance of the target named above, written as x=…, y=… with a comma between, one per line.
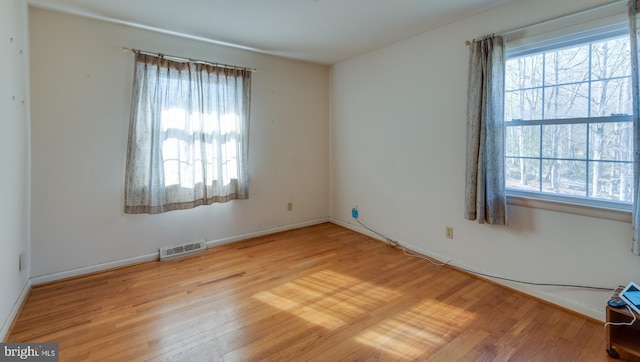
x=322, y=31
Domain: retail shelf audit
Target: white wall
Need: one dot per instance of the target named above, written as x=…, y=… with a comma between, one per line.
x=81, y=90
x=394, y=146
x=398, y=134
x=14, y=162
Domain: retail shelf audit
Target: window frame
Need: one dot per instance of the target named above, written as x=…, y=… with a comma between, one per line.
x=581, y=205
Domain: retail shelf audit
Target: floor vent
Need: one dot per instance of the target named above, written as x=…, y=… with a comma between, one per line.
x=173, y=252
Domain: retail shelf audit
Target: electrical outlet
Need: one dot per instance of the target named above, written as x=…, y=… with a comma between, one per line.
x=354, y=212
x=448, y=232
x=290, y=206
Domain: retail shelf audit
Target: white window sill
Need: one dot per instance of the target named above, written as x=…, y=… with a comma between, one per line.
x=570, y=208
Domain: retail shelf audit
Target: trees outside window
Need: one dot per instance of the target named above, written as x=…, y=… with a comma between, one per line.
x=568, y=121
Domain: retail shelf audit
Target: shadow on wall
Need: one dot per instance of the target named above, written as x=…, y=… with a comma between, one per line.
x=521, y=220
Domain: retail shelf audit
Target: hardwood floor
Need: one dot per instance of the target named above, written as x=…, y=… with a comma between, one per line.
x=322, y=293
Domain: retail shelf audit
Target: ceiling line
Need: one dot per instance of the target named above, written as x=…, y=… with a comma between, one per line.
x=43, y=5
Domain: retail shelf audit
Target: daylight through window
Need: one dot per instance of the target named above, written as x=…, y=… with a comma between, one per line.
x=188, y=137
x=568, y=122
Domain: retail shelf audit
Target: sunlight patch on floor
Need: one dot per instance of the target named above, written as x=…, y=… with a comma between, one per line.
x=327, y=298
x=418, y=331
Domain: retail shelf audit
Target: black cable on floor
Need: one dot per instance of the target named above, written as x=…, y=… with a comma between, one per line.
x=395, y=243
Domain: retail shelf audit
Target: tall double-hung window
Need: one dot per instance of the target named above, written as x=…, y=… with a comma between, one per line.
x=568, y=119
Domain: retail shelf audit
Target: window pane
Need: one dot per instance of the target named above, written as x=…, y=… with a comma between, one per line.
x=569, y=65
x=610, y=97
x=611, y=141
x=523, y=141
x=186, y=175
x=523, y=174
x=566, y=101
x=610, y=58
x=171, y=164
x=564, y=177
x=198, y=163
x=186, y=164
x=523, y=72
x=229, y=123
x=216, y=158
x=171, y=173
x=523, y=104
x=568, y=141
x=173, y=118
x=611, y=180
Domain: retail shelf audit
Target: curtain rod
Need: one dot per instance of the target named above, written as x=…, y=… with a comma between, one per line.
x=187, y=59
x=558, y=18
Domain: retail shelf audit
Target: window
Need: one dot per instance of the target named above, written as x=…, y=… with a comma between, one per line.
x=568, y=121
x=188, y=138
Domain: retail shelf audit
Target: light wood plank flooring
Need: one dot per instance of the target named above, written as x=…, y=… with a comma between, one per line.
x=321, y=293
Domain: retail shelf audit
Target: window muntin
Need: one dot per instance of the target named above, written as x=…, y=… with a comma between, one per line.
x=568, y=123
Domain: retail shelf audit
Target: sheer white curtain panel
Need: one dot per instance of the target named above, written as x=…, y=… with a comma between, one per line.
x=188, y=135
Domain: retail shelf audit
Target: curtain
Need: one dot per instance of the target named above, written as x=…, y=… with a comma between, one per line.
x=635, y=90
x=485, y=195
x=188, y=135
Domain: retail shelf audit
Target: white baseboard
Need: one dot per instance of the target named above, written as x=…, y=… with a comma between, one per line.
x=355, y=227
x=14, y=310
x=48, y=278
x=278, y=229
x=586, y=310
